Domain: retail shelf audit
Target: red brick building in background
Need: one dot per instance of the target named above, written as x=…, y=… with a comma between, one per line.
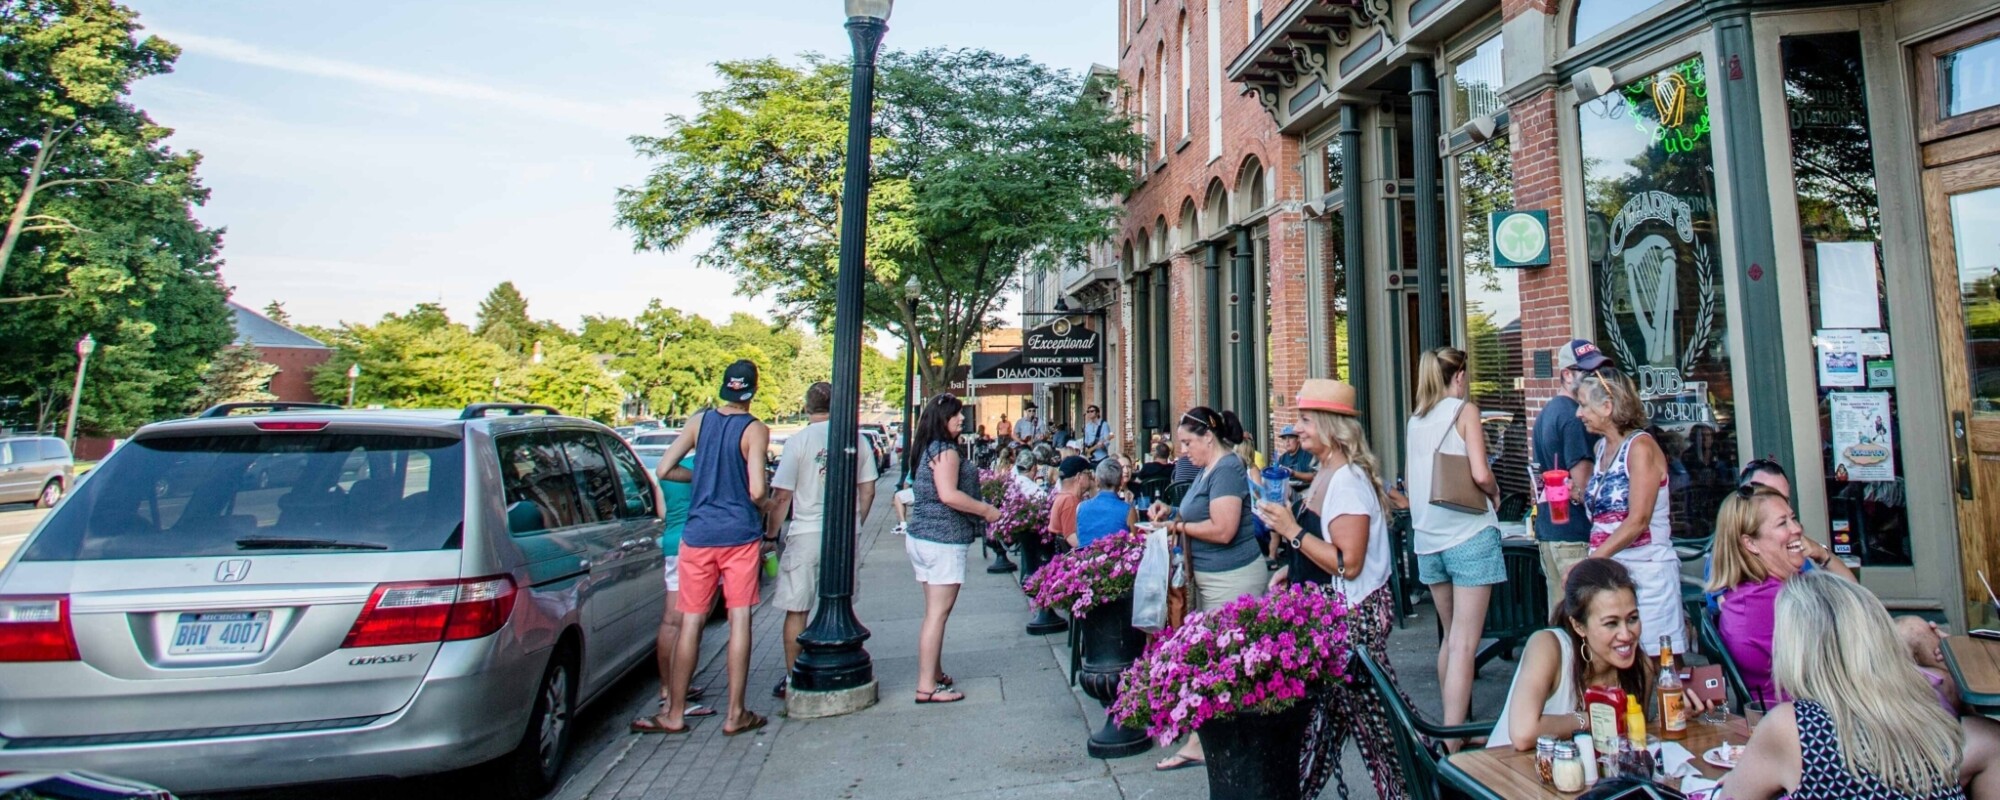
x=294, y=354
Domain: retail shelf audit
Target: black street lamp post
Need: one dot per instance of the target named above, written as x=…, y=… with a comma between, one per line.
x=911, y=291
x=833, y=674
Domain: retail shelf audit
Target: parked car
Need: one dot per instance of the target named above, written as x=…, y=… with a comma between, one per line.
x=35, y=469
x=662, y=437
x=879, y=444
x=234, y=602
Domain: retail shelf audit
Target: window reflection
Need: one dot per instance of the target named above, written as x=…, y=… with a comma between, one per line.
x=1970, y=78
x=1483, y=182
x=1597, y=16
x=1475, y=84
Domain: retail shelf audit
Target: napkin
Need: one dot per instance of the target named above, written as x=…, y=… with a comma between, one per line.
x=1674, y=761
x=1697, y=787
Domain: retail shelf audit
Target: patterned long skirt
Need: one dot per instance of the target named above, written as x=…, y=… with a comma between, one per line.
x=1354, y=711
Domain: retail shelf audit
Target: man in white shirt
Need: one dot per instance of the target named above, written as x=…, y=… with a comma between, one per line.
x=1029, y=430
x=800, y=485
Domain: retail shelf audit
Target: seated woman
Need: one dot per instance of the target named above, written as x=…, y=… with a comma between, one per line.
x=1106, y=512
x=1863, y=722
x=1758, y=545
x=1592, y=640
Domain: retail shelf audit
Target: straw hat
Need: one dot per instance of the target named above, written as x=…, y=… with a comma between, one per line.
x=1321, y=394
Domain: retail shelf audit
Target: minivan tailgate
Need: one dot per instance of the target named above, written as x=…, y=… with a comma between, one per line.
x=167, y=644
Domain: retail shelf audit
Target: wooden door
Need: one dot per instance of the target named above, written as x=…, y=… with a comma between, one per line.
x=1959, y=125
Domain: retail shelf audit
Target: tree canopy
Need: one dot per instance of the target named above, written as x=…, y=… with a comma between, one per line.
x=986, y=165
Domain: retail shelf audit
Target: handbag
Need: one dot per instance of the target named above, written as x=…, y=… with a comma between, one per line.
x=1452, y=485
x=1179, y=596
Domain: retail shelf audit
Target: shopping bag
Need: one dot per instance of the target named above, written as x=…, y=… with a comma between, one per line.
x=1149, y=588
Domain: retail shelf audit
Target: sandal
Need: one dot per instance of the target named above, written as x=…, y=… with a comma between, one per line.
x=944, y=681
x=694, y=710
x=654, y=725
x=755, y=723
x=1177, y=761
x=696, y=693
x=940, y=695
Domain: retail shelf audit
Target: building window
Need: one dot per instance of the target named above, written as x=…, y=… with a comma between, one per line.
x=1482, y=182
x=1593, y=17
x=1187, y=92
x=1254, y=17
x=1145, y=117
x=1214, y=79
x=1475, y=83
x=1160, y=145
x=1651, y=242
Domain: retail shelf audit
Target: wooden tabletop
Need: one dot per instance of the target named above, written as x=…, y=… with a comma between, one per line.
x=1975, y=664
x=1514, y=775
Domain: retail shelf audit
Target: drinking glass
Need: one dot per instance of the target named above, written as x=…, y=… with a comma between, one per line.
x=1753, y=712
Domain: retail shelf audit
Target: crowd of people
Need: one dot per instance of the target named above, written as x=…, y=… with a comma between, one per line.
x=1853, y=703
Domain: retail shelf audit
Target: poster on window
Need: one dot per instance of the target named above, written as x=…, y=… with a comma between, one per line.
x=1839, y=357
x=1863, y=447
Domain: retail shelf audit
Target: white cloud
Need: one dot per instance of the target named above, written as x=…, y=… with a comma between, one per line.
x=620, y=119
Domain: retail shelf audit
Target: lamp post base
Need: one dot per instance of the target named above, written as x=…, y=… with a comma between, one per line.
x=801, y=704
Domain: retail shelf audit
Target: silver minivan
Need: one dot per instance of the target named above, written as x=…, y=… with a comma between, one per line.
x=288, y=596
x=35, y=469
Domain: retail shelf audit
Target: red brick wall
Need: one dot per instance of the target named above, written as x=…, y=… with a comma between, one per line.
x=1545, y=311
x=295, y=369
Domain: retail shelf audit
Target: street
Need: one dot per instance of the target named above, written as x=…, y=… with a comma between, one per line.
x=15, y=522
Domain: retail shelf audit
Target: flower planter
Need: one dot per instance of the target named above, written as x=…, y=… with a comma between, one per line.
x=1253, y=756
x=1001, y=563
x=1110, y=644
x=1034, y=554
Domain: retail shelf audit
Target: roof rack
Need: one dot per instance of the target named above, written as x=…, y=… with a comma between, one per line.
x=225, y=409
x=477, y=410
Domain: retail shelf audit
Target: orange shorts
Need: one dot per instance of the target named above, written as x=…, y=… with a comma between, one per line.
x=705, y=568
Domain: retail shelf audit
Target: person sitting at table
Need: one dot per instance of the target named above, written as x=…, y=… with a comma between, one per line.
x=1758, y=545
x=1926, y=645
x=1106, y=512
x=1863, y=722
x=1592, y=640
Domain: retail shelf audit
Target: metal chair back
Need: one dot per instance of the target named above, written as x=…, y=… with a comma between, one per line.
x=1710, y=637
x=1423, y=778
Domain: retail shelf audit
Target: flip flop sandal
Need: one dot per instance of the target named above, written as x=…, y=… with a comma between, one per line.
x=944, y=681
x=932, y=696
x=653, y=725
x=1180, y=762
x=694, y=709
x=755, y=723
x=696, y=693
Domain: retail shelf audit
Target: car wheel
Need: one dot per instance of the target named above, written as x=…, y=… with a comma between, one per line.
x=531, y=770
x=50, y=494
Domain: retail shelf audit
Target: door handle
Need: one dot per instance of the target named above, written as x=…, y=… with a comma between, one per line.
x=1961, y=455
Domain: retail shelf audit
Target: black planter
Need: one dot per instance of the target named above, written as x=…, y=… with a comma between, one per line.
x=1001, y=563
x=1256, y=756
x=1034, y=554
x=1110, y=645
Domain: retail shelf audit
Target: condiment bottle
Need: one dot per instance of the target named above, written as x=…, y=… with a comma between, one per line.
x=1673, y=698
x=1586, y=751
x=1605, y=705
x=1545, y=755
x=1567, y=769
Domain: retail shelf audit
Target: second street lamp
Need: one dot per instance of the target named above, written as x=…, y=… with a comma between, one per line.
x=833, y=674
x=911, y=291
x=84, y=347
x=353, y=373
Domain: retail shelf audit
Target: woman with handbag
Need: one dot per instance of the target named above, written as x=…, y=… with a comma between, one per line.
x=1456, y=534
x=1627, y=502
x=1214, y=519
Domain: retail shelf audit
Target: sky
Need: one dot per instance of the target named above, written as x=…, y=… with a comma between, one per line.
x=368, y=156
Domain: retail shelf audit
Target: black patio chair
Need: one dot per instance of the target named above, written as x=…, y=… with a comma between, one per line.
x=1416, y=754
x=1175, y=492
x=1710, y=638
x=1517, y=608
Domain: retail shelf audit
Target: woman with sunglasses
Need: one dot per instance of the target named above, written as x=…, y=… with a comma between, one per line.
x=1627, y=501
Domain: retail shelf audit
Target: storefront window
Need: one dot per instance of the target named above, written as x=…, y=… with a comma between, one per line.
x=1833, y=166
x=1597, y=16
x=1482, y=183
x=1970, y=78
x=1475, y=83
x=1649, y=197
x=1333, y=163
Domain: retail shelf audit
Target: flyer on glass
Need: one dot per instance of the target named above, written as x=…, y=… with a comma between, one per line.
x=1839, y=354
x=1863, y=447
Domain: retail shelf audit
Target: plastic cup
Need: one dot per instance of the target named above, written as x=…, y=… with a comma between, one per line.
x=770, y=565
x=1555, y=491
x=1274, y=483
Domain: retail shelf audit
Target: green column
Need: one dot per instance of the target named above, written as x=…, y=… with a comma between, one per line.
x=1212, y=340
x=1142, y=347
x=1352, y=202
x=1163, y=361
x=1241, y=319
x=1432, y=328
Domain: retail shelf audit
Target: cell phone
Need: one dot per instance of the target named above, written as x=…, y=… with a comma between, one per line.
x=1707, y=683
x=1984, y=633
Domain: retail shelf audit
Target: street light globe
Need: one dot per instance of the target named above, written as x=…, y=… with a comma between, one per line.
x=354, y=371
x=913, y=289
x=86, y=345
x=871, y=9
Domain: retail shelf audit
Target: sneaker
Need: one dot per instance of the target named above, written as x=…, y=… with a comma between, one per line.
x=779, y=690
x=902, y=528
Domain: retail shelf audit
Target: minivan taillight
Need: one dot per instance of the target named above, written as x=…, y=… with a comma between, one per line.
x=433, y=611
x=36, y=629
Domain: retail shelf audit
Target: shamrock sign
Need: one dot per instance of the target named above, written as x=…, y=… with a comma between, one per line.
x=1520, y=238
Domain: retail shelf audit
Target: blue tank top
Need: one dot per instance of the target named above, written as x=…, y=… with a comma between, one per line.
x=720, y=513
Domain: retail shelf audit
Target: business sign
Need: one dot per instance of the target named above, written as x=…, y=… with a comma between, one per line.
x=1520, y=238
x=1061, y=343
x=1005, y=366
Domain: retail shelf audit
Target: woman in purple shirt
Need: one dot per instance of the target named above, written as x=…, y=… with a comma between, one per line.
x=1759, y=544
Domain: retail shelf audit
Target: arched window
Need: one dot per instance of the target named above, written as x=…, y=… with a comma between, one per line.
x=1186, y=230
x=1250, y=187
x=1145, y=115
x=1592, y=17
x=1160, y=59
x=1160, y=251
x=1215, y=208
x=1187, y=57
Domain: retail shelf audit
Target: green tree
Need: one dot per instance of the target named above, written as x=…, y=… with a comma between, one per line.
x=417, y=360
x=882, y=377
x=276, y=313
x=503, y=319
x=572, y=380
x=986, y=165
x=237, y=375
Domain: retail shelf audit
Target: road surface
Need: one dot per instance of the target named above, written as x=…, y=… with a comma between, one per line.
x=15, y=522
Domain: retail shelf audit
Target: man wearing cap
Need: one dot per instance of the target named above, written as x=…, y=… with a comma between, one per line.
x=1073, y=477
x=800, y=486
x=720, y=543
x=1561, y=443
x=1291, y=457
x=1029, y=429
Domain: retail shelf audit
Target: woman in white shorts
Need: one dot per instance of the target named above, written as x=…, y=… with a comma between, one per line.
x=945, y=520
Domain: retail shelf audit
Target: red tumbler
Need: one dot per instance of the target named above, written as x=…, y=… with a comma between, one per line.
x=1555, y=491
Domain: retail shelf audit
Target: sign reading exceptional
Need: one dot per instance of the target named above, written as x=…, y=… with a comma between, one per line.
x=1520, y=238
x=1061, y=343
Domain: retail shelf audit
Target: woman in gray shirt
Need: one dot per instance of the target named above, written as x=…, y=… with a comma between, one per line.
x=1215, y=517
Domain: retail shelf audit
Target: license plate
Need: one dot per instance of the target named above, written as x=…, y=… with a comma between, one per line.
x=220, y=632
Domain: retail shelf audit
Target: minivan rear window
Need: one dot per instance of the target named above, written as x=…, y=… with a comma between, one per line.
x=274, y=493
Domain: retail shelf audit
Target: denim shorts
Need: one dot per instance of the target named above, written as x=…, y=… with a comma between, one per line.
x=1473, y=562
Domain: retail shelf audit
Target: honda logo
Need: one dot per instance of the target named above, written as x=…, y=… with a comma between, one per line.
x=232, y=570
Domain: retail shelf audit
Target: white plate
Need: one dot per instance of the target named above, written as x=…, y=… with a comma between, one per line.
x=210, y=632
x=1716, y=756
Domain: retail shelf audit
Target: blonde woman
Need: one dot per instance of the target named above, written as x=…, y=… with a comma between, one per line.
x=1627, y=501
x=1458, y=553
x=1863, y=722
x=1758, y=545
x=1340, y=539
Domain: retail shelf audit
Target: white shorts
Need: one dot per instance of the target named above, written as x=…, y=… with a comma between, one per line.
x=937, y=564
x=798, y=570
x=673, y=573
x=907, y=497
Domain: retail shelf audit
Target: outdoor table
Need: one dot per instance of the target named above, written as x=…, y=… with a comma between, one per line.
x=1513, y=775
x=1975, y=665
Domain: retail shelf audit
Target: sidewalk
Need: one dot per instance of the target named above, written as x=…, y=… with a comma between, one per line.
x=1019, y=732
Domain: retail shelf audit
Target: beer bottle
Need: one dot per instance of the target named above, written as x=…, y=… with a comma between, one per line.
x=1673, y=697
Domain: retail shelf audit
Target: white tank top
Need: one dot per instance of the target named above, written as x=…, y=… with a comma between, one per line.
x=1437, y=528
x=1561, y=702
